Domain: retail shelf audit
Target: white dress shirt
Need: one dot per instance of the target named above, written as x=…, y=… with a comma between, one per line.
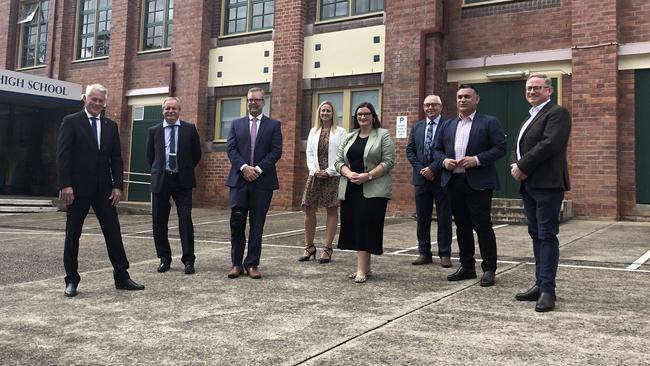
x=99, y=126
x=168, y=135
x=533, y=112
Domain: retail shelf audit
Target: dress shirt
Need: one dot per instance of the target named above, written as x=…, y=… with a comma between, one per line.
x=533, y=112
x=250, y=124
x=176, y=125
x=436, y=123
x=462, y=139
x=99, y=126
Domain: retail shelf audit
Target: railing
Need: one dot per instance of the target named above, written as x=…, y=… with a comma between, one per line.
x=136, y=182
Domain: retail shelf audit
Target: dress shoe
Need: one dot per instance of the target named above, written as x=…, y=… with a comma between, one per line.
x=128, y=285
x=422, y=259
x=70, y=290
x=253, y=273
x=532, y=294
x=445, y=262
x=462, y=273
x=546, y=302
x=310, y=251
x=165, y=263
x=488, y=279
x=235, y=272
x=189, y=268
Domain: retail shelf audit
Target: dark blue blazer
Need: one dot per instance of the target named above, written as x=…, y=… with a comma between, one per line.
x=268, y=150
x=417, y=156
x=487, y=141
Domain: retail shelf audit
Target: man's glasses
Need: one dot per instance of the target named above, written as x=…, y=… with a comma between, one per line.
x=255, y=100
x=536, y=87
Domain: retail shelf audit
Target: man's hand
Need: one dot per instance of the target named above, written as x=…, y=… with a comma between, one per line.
x=67, y=195
x=517, y=173
x=467, y=162
x=116, y=196
x=449, y=164
x=427, y=173
x=250, y=174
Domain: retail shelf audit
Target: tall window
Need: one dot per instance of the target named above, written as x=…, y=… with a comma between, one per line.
x=331, y=9
x=158, y=15
x=248, y=15
x=346, y=101
x=94, y=32
x=229, y=109
x=33, y=32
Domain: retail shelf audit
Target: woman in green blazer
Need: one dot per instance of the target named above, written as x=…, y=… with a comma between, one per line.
x=364, y=161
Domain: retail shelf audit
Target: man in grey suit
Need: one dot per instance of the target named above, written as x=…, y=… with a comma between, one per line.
x=539, y=162
x=173, y=151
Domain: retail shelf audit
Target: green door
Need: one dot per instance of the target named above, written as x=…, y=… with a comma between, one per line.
x=642, y=136
x=139, y=192
x=507, y=101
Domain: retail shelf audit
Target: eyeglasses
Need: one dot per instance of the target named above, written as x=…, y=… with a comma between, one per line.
x=427, y=105
x=255, y=100
x=364, y=114
x=536, y=87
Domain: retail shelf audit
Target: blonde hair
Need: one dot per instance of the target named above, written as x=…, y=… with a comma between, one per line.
x=318, y=123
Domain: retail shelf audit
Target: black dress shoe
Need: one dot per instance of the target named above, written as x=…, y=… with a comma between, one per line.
x=165, y=263
x=422, y=259
x=462, y=273
x=488, y=279
x=189, y=268
x=532, y=294
x=70, y=290
x=546, y=302
x=128, y=285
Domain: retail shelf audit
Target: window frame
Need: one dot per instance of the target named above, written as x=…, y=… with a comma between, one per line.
x=38, y=44
x=346, y=113
x=225, y=6
x=483, y=2
x=167, y=24
x=243, y=106
x=351, y=14
x=95, y=31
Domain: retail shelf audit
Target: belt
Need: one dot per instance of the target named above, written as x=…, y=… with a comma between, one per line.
x=169, y=172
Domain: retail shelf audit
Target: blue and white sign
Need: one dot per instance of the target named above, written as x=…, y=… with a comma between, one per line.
x=18, y=82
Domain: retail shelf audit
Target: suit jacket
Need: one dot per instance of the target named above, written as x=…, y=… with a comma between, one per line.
x=417, y=156
x=487, y=141
x=188, y=155
x=543, y=148
x=379, y=150
x=80, y=164
x=336, y=137
x=268, y=150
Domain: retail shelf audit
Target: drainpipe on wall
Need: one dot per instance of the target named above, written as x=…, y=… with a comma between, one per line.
x=172, y=85
x=424, y=35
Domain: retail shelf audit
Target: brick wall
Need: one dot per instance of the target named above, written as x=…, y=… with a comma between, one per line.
x=626, y=143
x=633, y=16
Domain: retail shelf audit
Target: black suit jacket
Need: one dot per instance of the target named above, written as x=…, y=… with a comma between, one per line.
x=416, y=154
x=80, y=164
x=188, y=155
x=543, y=148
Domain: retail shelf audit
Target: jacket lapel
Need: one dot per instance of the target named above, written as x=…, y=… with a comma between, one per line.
x=539, y=115
x=372, y=140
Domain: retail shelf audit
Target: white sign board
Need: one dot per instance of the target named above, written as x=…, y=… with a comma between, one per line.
x=18, y=82
x=401, y=127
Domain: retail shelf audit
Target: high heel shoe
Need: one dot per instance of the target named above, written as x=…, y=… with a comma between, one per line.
x=311, y=252
x=326, y=255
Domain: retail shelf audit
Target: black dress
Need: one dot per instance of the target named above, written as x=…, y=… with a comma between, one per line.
x=362, y=219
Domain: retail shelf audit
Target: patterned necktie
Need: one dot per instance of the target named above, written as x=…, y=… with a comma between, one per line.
x=94, y=123
x=172, y=148
x=253, y=138
x=428, y=140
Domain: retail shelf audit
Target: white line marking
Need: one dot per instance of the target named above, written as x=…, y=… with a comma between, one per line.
x=637, y=263
x=435, y=242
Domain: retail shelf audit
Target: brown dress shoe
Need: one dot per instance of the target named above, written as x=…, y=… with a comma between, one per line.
x=445, y=262
x=422, y=259
x=253, y=273
x=235, y=272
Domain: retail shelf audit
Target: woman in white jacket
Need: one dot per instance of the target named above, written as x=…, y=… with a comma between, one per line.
x=321, y=189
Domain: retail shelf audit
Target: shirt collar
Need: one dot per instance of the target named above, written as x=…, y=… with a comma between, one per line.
x=471, y=117
x=165, y=124
x=90, y=115
x=534, y=110
x=259, y=118
x=435, y=120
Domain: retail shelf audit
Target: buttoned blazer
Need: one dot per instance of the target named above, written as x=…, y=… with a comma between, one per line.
x=543, y=148
x=188, y=155
x=268, y=150
x=379, y=150
x=487, y=141
x=80, y=164
x=335, y=139
x=417, y=156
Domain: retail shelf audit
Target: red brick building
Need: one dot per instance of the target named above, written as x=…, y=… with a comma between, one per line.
x=391, y=53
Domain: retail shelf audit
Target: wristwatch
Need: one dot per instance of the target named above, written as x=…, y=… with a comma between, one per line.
x=369, y=176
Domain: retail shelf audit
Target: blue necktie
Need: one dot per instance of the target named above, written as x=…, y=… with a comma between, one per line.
x=172, y=148
x=428, y=141
x=94, y=123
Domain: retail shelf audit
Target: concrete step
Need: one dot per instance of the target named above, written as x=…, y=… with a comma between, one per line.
x=27, y=209
x=511, y=211
x=24, y=202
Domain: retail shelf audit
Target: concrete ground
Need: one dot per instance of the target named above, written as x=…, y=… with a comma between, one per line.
x=308, y=313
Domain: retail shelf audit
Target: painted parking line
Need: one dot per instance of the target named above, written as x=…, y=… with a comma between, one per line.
x=639, y=262
x=435, y=242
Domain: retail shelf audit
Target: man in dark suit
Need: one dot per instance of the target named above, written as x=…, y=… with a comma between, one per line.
x=254, y=147
x=173, y=151
x=539, y=162
x=426, y=179
x=467, y=148
x=90, y=169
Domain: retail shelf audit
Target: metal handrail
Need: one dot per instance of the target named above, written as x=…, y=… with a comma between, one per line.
x=136, y=182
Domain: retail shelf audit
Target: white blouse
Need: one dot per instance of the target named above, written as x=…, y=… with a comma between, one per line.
x=336, y=138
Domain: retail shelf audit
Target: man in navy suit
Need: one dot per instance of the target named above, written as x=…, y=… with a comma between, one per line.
x=426, y=179
x=173, y=151
x=90, y=173
x=467, y=148
x=539, y=162
x=254, y=147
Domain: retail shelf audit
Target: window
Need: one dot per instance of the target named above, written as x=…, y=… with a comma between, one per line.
x=248, y=15
x=332, y=9
x=94, y=29
x=33, y=32
x=158, y=15
x=346, y=101
x=482, y=2
x=229, y=109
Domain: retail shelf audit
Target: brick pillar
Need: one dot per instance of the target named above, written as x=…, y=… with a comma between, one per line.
x=405, y=21
x=8, y=34
x=594, y=165
x=286, y=99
